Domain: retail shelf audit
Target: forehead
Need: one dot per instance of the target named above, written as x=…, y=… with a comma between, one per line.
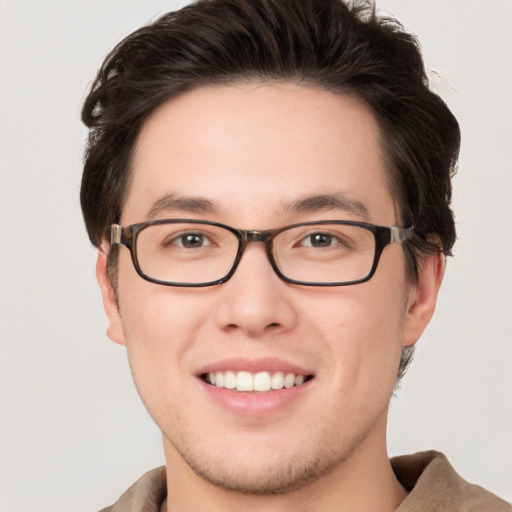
x=256, y=148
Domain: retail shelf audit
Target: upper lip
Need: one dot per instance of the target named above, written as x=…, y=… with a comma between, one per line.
x=254, y=365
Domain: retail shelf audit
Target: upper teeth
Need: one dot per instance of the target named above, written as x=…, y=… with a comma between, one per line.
x=261, y=381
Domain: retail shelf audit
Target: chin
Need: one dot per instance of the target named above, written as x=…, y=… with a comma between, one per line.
x=265, y=468
x=262, y=480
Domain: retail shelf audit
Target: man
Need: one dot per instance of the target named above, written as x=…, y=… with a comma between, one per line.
x=278, y=174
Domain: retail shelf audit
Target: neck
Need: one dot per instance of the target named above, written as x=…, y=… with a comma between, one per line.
x=363, y=482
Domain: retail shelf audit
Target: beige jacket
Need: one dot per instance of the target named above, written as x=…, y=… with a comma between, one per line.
x=433, y=486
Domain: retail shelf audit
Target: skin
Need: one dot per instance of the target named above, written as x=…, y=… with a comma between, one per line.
x=250, y=149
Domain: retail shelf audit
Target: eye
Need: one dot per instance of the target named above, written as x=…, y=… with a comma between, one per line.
x=319, y=240
x=189, y=240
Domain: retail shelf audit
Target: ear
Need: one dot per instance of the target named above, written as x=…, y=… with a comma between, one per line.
x=115, y=330
x=422, y=299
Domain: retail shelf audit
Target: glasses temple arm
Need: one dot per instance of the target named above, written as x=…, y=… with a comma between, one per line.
x=116, y=232
x=399, y=235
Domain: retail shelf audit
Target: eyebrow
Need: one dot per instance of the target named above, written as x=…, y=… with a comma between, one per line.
x=175, y=203
x=322, y=202
x=305, y=204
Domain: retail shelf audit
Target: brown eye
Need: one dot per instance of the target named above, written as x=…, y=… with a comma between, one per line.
x=188, y=240
x=191, y=240
x=320, y=240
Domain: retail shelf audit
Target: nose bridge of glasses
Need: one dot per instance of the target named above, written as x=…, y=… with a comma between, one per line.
x=253, y=235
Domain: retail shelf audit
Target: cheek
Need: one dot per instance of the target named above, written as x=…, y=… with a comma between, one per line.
x=160, y=330
x=360, y=333
x=160, y=324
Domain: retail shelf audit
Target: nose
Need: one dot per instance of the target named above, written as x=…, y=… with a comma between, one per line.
x=256, y=301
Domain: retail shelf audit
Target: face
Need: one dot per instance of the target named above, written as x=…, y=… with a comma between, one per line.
x=245, y=156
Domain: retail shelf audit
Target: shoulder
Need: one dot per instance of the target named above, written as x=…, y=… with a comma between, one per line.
x=146, y=494
x=434, y=485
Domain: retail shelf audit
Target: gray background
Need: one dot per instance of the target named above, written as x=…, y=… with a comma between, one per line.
x=73, y=434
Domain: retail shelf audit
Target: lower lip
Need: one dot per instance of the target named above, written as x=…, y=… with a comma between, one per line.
x=255, y=404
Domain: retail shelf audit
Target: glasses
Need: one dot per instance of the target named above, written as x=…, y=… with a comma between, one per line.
x=194, y=253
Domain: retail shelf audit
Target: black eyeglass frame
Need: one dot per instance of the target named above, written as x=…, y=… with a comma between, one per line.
x=383, y=235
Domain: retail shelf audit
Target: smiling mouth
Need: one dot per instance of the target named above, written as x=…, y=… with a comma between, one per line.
x=256, y=382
